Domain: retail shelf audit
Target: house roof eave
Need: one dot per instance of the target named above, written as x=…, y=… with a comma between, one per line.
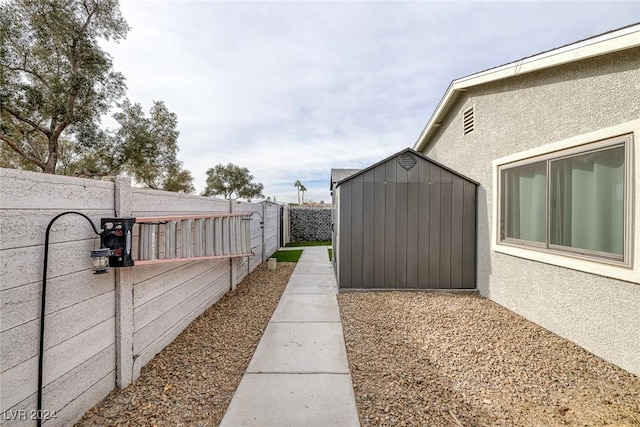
x=610, y=42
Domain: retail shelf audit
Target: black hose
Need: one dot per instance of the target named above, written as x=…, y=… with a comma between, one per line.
x=42, y=305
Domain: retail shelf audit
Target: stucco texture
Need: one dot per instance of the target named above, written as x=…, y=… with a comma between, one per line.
x=528, y=111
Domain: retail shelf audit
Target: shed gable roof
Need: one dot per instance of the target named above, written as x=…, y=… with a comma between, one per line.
x=338, y=175
x=610, y=42
x=400, y=153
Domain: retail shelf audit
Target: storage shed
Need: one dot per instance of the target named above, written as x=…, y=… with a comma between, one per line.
x=406, y=222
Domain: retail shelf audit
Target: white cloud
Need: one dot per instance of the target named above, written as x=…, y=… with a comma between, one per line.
x=292, y=89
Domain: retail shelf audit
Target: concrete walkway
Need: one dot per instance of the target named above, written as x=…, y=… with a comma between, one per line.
x=299, y=373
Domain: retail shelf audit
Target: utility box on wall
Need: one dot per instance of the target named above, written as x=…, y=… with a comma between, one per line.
x=406, y=222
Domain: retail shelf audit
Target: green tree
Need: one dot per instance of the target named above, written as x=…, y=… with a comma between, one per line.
x=103, y=156
x=150, y=147
x=54, y=76
x=144, y=148
x=232, y=181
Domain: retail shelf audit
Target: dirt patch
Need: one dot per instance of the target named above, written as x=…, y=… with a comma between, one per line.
x=427, y=359
x=192, y=381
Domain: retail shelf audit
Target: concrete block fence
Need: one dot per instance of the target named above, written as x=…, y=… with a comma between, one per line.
x=100, y=329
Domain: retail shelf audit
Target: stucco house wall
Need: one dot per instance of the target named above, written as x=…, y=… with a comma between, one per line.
x=587, y=100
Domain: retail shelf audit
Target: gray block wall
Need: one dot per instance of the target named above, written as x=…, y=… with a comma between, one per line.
x=100, y=329
x=310, y=224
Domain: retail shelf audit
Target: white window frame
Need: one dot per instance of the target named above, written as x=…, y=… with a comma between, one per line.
x=625, y=269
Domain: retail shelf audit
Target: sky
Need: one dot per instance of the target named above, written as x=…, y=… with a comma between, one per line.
x=290, y=90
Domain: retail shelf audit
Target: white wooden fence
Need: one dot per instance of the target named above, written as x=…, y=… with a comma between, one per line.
x=100, y=329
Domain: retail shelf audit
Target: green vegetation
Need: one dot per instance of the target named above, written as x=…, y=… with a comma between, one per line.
x=57, y=83
x=232, y=181
x=287, y=256
x=330, y=254
x=298, y=244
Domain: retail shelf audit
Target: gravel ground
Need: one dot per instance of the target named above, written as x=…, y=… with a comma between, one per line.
x=430, y=359
x=417, y=359
x=191, y=382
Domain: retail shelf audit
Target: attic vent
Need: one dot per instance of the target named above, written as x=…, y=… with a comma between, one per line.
x=468, y=121
x=407, y=161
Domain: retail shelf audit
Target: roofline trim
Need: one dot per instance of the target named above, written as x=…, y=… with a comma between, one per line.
x=614, y=41
x=414, y=152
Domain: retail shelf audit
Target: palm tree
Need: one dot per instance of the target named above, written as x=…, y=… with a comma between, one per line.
x=302, y=189
x=298, y=185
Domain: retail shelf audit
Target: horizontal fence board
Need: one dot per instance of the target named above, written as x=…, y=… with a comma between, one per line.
x=71, y=353
x=165, y=321
x=165, y=339
x=144, y=273
x=22, y=304
x=156, y=261
x=180, y=314
x=165, y=302
x=32, y=190
x=57, y=361
x=242, y=268
x=21, y=343
x=23, y=228
x=21, y=266
x=71, y=413
x=153, y=287
x=162, y=203
x=255, y=261
x=84, y=387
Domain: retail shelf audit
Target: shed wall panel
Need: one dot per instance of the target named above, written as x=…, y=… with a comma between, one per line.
x=379, y=233
x=404, y=228
x=434, y=229
x=357, y=207
x=401, y=231
x=413, y=221
x=345, y=236
x=445, y=232
x=457, y=224
x=369, y=232
x=424, y=232
x=390, y=226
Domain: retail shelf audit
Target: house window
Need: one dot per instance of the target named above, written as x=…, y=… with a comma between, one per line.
x=525, y=203
x=572, y=201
